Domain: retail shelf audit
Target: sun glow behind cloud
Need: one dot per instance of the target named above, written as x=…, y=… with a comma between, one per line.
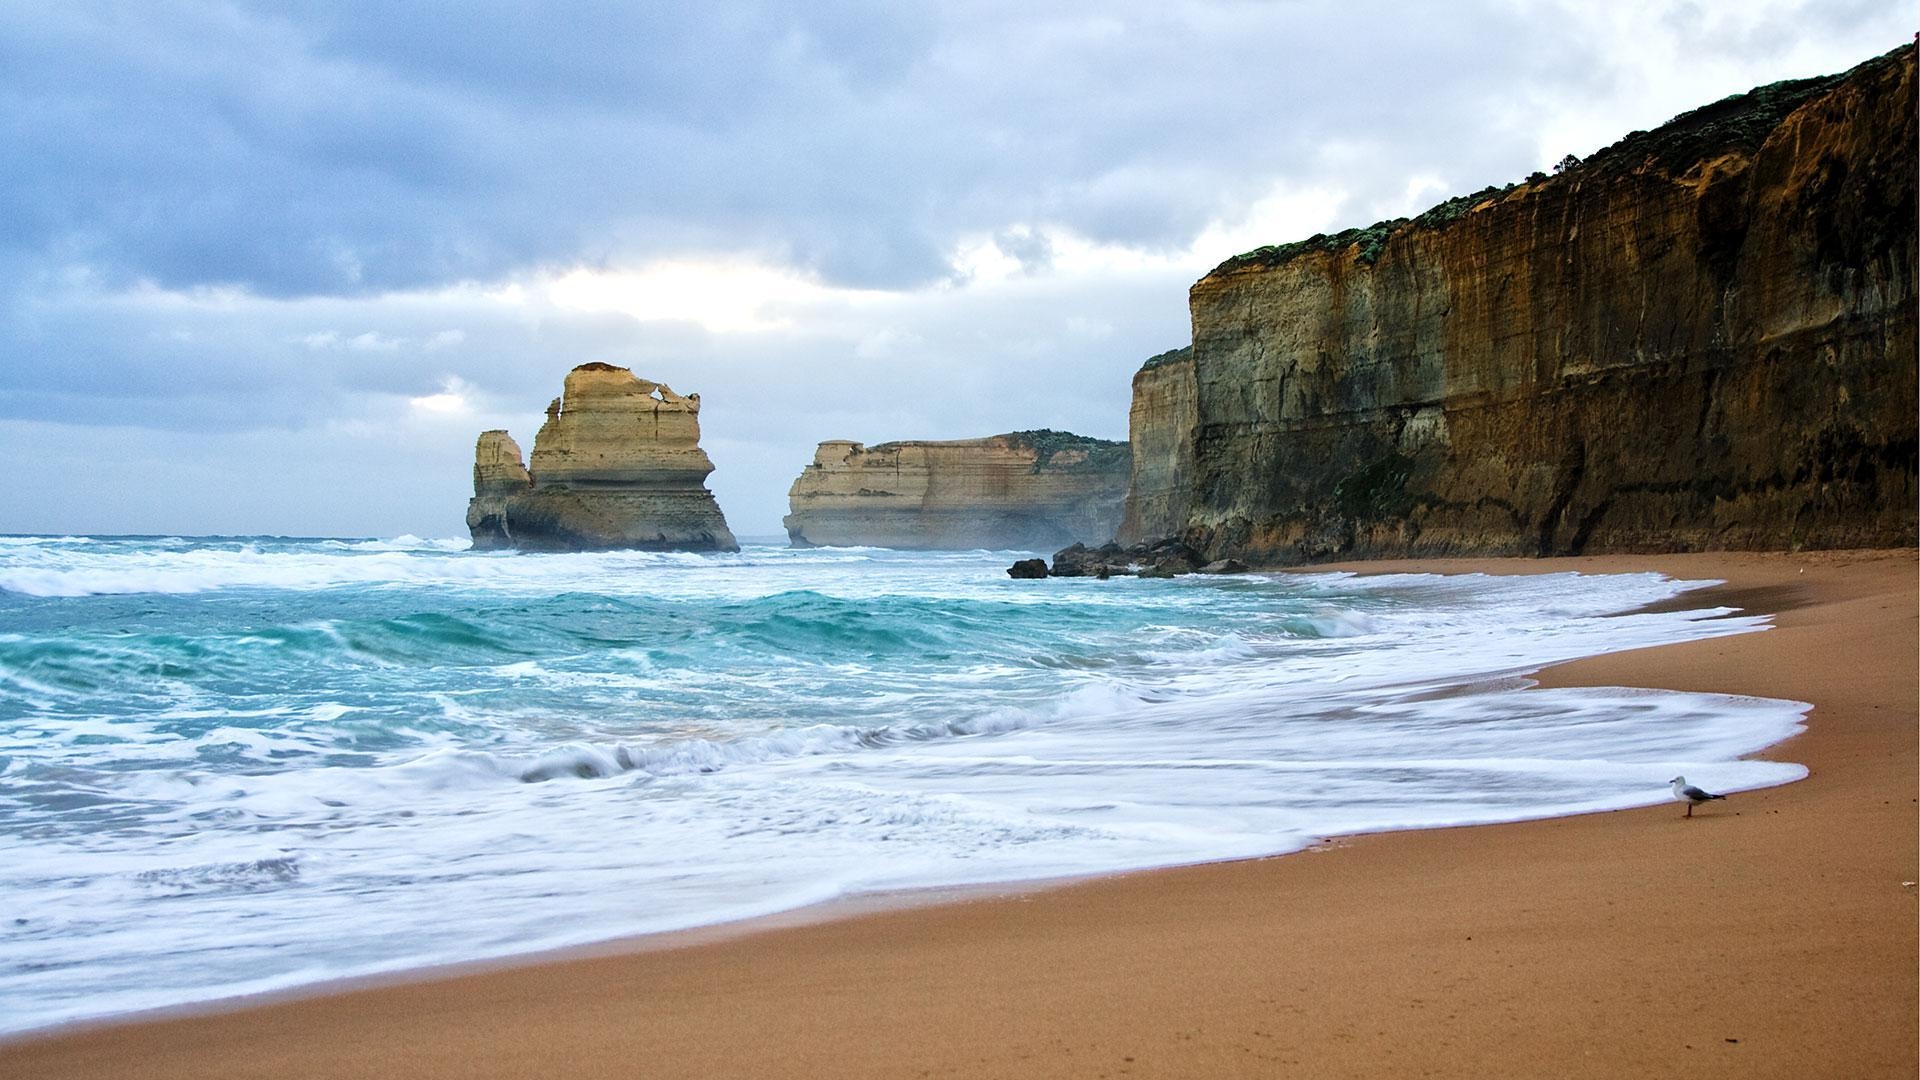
x=740, y=294
x=724, y=295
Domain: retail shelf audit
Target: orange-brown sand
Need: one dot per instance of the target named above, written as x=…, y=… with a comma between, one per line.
x=1771, y=935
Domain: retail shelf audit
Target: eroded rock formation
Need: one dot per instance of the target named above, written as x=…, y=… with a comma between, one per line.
x=1703, y=337
x=1029, y=490
x=1160, y=429
x=617, y=464
x=499, y=474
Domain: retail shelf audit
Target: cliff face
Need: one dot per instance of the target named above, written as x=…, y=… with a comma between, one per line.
x=1701, y=338
x=1160, y=430
x=617, y=464
x=1033, y=490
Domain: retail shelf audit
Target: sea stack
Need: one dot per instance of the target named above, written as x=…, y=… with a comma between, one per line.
x=1700, y=338
x=617, y=464
x=1025, y=490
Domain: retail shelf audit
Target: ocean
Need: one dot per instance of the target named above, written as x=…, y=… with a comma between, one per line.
x=236, y=764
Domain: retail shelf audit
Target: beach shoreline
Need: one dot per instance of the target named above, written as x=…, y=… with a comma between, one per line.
x=1609, y=944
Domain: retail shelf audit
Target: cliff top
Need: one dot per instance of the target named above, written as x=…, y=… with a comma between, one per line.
x=1046, y=442
x=1086, y=452
x=1171, y=356
x=597, y=382
x=1740, y=122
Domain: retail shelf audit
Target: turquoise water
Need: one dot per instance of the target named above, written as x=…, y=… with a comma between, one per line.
x=234, y=764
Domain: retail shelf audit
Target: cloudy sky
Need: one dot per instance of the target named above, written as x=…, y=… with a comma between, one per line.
x=269, y=267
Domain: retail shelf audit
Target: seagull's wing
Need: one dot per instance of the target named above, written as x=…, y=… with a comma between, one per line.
x=1696, y=794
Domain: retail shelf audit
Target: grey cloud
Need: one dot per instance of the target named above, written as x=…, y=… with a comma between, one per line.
x=332, y=164
x=313, y=148
x=306, y=149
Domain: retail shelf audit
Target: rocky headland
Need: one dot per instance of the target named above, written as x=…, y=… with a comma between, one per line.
x=1031, y=490
x=1700, y=338
x=617, y=464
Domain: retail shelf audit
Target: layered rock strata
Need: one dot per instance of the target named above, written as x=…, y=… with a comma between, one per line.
x=1160, y=430
x=617, y=464
x=1703, y=337
x=1030, y=490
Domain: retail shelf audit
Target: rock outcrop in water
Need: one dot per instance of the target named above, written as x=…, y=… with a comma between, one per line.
x=1031, y=490
x=1703, y=337
x=618, y=464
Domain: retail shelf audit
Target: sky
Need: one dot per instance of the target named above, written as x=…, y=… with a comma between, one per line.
x=271, y=267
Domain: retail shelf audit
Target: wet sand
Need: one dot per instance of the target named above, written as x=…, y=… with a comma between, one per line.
x=1774, y=934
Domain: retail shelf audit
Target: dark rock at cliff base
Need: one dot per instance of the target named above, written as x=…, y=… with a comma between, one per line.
x=1167, y=558
x=1173, y=563
x=1224, y=566
x=1079, y=560
x=618, y=464
x=1028, y=568
x=1700, y=338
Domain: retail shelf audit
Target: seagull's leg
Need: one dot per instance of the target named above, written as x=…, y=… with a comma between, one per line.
x=1689, y=809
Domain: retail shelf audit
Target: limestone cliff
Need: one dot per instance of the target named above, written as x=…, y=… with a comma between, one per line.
x=1030, y=490
x=617, y=464
x=1160, y=431
x=1703, y=337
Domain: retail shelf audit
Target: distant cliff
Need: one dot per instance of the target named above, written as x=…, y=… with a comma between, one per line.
x=618, y=464
x=1702, y=337
x=1030, y=490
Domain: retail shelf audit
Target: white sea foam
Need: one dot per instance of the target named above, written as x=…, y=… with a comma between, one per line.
x=39, y=569
x=288, y=761
x=37, y=541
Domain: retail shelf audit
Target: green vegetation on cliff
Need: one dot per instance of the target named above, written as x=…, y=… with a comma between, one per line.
x=1740, y=122
x=1171, y=356
x=1371, y=240
x=1046, y=442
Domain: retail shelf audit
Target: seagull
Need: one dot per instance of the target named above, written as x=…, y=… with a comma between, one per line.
x=1691, y=795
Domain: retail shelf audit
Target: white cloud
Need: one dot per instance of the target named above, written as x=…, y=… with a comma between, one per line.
x=722, y=294
x=450, y=401
x=372, y=342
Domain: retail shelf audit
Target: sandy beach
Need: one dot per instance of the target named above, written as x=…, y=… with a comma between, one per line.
x=1774, y=934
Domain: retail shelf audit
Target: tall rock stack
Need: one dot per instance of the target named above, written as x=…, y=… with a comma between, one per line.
x=1025, y=490
x=617, y=464
x=1702, y=337
x=499, y=475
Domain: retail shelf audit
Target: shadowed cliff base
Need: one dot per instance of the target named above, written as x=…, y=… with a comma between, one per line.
x=1700, y=338
x=618, y=464
x=1024, y=490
